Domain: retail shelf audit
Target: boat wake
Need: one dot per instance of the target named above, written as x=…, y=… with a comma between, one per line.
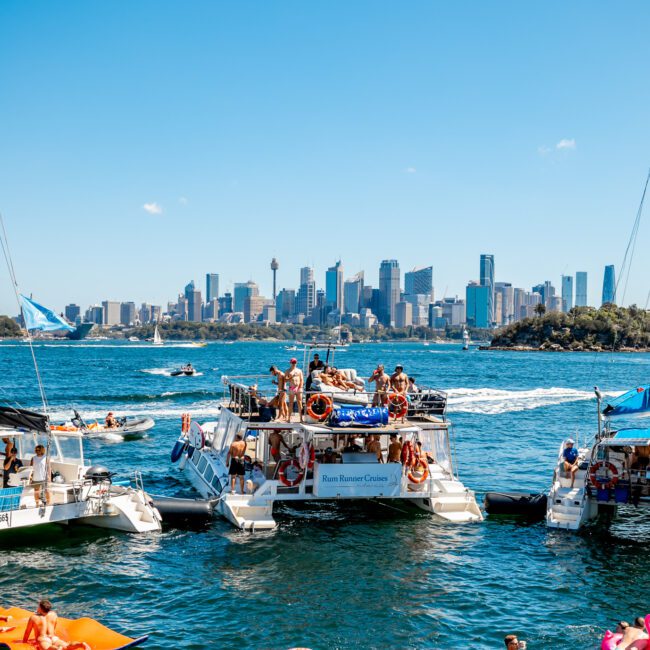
x=198, y=410
x=166, y=372
x=491, y=401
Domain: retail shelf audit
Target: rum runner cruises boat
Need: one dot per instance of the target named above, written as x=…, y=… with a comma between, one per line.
x=613, y=471
x=333, y=455
x=75, y=491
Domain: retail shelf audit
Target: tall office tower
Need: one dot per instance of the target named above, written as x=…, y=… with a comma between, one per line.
x=127, y=313
x=609, y=285
x=244, y=290
x=211, y=286
x=225, y=304
x=144, y=313
x=334, y=286
x=567, y=293
x=548, y=295
x=194, y=307
x=389, y=291
x=94, y=314
x=581, y=289
x=487, y=280
x=72, y=312
x=419, y=280
x=254, y=307
x=477, y=305
x=507, y=293
x=111, y=312
x=285, y=304
x=275, y=265
x=353, y=294
x=403, y=314
x=156, y=313
x=519, y=298
x=306, y=298
x=366, y=296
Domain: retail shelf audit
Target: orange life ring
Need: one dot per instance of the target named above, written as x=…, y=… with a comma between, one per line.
x=600, y=483
x=397, y=405
x=323, y=406
x=424, y=471
x=290, y=473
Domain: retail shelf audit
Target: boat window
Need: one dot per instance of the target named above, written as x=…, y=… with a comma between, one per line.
x=216, y=484
x=202, y=463
x=209, y=474
x=195, y=457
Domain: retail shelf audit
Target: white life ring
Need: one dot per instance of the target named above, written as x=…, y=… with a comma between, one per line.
x=306, y=456
x=196, y=436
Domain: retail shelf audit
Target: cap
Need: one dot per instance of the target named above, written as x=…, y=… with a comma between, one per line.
x=293, y=360
x=400, y=366
x=570, y=441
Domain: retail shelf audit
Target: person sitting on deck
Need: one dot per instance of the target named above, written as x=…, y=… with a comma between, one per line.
x=11, y=465
x=382, y=384
x=43, y=624
x=412, y=387
x=258, y=478
x=570, y=456
x=315, y=364
x=399, y=380
x=352, y=446
x=110, y=421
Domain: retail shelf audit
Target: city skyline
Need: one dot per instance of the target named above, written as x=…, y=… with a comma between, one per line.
x=244, y=142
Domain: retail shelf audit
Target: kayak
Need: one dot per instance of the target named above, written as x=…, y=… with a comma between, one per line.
x=128, y=427
x=96, y=635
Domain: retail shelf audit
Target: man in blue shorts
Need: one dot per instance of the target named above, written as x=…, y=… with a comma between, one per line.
x=570, y=455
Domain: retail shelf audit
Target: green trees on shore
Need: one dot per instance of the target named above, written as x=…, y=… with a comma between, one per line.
x=8, y=328
x=582, y=328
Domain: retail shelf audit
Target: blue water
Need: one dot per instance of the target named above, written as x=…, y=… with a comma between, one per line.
x=337, y=577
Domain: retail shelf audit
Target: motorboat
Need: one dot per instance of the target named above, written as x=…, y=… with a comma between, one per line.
x=134, y=339
x=613, y=474
x=127, y=427
x=74, y=490
x=186, y=371
x=334, y=452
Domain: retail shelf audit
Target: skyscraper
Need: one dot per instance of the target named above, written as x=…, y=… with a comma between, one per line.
x=487, y=280
x=609, y=285
x=507, y=312
x=353, y=294
x=194, y=303
x=419, y=280
x=306, y=298
x=127, y=313
x=334, y=286
x=389, y=290
x=581, y=289
x=72, y=312
x=111, y=312
x=567, y=293
x=477, y=300
x=211, y=286
x=285, y=304
x=242, y=291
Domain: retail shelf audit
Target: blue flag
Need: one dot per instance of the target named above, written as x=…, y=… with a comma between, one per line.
x=41, y=318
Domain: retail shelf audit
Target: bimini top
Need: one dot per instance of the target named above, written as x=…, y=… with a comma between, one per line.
x=630, y=437
x=14, y=418
x=633, y=403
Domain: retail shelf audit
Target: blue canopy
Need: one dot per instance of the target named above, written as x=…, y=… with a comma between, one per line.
x=41, y=318
x=638, y=437
x=633, y=403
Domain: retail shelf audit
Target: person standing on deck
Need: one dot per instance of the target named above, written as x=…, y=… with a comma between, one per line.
x=295, y=380
x=235, y=462
x=399, y=380
x=280, y=400
x=382, y=383
x=394, y=449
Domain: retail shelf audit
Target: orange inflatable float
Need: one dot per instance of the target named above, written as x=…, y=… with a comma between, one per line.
x=97, y=636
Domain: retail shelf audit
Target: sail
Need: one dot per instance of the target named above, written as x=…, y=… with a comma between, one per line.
x=41, y=318
x=157, y=339
x=633, y=403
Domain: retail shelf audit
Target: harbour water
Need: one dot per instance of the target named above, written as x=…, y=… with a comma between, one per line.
x=336, y=577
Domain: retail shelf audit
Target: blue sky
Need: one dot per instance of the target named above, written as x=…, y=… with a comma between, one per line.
x=429, y=132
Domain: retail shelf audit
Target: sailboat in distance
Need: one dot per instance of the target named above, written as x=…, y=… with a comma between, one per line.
x=157, y=339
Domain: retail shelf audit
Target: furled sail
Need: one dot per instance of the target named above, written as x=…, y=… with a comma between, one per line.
x=14, y=418
x=41, y=318
x=633, y=403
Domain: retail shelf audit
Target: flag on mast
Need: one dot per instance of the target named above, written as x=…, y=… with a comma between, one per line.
x=37, y=317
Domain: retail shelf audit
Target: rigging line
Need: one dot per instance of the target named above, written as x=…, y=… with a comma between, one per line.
x=14, y=282
x=631, y=244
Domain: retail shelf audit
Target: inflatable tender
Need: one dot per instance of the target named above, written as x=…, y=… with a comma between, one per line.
x=370, y=416
x=97, y=636
x=513, y=503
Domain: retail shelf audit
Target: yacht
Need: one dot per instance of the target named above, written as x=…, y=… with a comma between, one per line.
x=613, y=468
x=76, y=490
x=329, y=454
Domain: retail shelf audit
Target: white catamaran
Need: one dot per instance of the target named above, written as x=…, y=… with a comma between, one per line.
x=345, y=448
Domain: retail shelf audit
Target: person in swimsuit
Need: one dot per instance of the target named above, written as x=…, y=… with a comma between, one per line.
x=632, y=634
x=43, y=624
x=276, y=440
x=110, y=421
x=373, y=446
x=382, y=383
x=280, y=400
x=235, y=462
x=296, y=381
x=40, y=473
x=399, y=381
x=394, y=449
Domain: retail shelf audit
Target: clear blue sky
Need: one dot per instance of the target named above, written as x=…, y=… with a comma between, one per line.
x=425, y=131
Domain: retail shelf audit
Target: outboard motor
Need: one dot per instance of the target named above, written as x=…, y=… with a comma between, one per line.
x=98, y=473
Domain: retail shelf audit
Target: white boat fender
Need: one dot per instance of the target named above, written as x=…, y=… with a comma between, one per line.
x=306, y=456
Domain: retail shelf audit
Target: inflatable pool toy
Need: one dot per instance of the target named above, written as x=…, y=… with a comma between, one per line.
x=96, y=635
x=610, y=640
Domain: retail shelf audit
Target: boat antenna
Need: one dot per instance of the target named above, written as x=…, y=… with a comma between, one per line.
x=4, y=242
